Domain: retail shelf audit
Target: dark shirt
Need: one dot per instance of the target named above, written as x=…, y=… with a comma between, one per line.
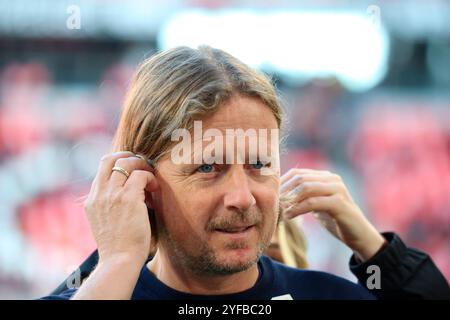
x=405, y=273
x=275, y=280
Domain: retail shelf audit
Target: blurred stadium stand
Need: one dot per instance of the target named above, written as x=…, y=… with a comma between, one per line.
x=61, y=90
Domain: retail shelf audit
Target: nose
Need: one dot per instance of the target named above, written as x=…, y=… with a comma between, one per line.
x=238, y=194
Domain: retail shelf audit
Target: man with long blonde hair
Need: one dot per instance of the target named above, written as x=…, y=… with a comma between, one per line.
x=177, y=215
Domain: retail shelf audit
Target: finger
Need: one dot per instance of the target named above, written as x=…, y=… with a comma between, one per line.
x=318, y=204
x=316, y=189
x=141, y=181
x=107, y=162
x=295, y=171
x=129, y=164
x=300, y=178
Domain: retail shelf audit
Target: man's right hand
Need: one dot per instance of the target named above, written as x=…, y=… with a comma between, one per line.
x=116, y=208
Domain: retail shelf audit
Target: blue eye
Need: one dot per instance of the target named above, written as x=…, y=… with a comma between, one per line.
x=258, y=165
x=206, y=168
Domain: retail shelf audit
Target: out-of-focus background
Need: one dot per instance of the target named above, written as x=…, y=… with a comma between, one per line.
x=366, y=85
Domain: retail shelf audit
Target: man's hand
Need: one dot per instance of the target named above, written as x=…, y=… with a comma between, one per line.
x=117, y=212
x=325, y=195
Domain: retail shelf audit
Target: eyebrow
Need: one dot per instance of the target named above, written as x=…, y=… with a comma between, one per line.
x=258, y=155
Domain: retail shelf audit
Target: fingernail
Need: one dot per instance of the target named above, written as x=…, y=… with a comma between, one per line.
x=150, y=162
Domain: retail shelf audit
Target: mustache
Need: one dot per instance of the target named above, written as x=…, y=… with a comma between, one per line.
x=250, y=217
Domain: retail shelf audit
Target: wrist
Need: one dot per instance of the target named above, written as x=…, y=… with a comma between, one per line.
x=122, y=259
x=370, y=248
x=115, y=277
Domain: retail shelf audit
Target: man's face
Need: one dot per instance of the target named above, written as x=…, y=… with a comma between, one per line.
x=215, y=218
